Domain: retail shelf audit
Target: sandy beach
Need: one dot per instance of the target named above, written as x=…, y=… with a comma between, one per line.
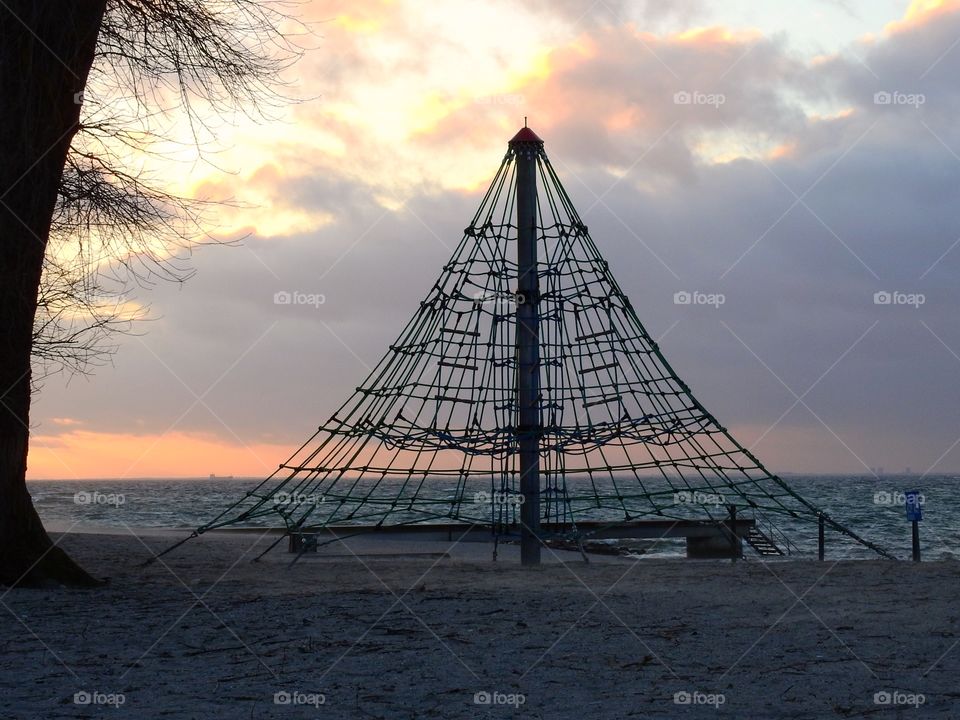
x=415, y=630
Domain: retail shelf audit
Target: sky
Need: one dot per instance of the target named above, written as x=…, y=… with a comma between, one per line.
x=801, y=160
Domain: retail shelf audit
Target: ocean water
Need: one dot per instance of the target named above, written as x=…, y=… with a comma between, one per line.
x=872, y=507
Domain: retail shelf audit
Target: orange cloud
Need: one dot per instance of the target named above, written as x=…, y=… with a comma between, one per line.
x=361, y=17
x=785, y=150
x=611, y=94
x=85, y=454
x=357, y=25
x=716, y=35
x=65, y=422
x=922, y=12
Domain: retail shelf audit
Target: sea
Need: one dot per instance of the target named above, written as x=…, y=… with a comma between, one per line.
x=873, y=507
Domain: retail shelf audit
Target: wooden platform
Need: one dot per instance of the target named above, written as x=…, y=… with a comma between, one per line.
x=705, y=538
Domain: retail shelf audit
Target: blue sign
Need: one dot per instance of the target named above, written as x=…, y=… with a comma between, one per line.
x=914, y=508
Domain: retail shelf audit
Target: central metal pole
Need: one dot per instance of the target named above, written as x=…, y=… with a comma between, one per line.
x=526, y=146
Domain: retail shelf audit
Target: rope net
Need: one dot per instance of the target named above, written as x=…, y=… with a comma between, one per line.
x=430, y=435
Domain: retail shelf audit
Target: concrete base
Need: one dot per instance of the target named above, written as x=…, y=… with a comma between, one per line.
x=705, y=539
x=713, y=547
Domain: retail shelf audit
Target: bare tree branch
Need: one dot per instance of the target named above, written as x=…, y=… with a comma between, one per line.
x=157, y=62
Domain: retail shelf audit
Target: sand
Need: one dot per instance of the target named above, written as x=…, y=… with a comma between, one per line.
x=450, y=634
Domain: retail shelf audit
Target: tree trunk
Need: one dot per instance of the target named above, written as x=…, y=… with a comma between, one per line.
x=46, y=49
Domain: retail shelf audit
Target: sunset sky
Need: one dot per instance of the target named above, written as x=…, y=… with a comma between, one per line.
x=827, y=171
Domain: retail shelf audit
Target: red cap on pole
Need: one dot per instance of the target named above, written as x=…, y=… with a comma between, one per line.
x=526, y=135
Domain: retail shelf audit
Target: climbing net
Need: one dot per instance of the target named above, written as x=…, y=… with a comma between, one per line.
x=430, y=435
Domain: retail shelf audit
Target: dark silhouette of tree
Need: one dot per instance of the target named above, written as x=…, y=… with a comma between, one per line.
x=78, y=319
x=86, y=85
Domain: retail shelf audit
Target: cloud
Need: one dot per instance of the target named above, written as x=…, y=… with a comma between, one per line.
x=799, y=197
x=618, y=93
x=65, y=422
x=590, y=13
x=923, y=12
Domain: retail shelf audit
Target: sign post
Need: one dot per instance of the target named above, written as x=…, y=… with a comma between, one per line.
x=914, y=515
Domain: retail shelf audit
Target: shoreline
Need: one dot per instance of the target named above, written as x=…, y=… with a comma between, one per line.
x=206, y=633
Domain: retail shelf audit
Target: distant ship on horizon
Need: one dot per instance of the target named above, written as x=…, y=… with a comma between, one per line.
x=220, y=477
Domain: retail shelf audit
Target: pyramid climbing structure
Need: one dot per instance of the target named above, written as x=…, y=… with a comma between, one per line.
x=434, y=432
